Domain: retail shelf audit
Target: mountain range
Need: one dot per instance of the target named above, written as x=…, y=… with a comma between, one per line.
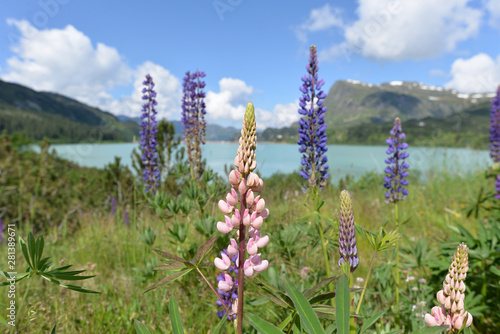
x=363, y=113
x=357, y=113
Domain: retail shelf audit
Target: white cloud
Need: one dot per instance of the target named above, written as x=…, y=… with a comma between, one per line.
x=65, y=61
x=479, y=73
x=319, y=19
x=168, y=93
x=399, y=30
x=230, y=103
x=493, y=7
x=282, y=115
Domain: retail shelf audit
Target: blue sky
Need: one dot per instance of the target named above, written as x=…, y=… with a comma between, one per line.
x=99, y=51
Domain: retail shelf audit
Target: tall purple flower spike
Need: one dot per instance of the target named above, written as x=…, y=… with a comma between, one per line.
x=495, y=128
x=312, y=126
x=193, y=118
x=395, y=180
x=347, y=233
x=149, y=157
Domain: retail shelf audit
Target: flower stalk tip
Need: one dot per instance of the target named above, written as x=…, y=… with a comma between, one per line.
x=347, y=233
x=451, y=310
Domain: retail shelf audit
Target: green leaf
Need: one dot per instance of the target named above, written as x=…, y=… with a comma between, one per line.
x=431, y=330
x=54, y=329
x=319, y=286
x=68, y=286
x=140, y=328
x=25, y=252
x=287, y=320
x=276, y=300
x=175, y=317
x=171, y=266
x=38, y=251
x=31, y=248
x=368, y=323
x=172, y=257
x=306, y=313
x=262, y=326
x=205, y=249
x=342, y=302
x=18, y=277
x=168, y=279
x=220, y=325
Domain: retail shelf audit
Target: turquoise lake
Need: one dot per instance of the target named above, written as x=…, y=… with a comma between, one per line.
x=285, y=158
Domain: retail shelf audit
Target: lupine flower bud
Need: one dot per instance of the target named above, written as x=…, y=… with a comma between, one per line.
x=245, y=157
x=312, y=126
x=347, y=233
x=451, y=297
x=395, y=180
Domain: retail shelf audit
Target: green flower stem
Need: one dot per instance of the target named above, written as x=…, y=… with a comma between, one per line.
x=322, y=238
x=30, y=279
x=396, y=217
x=135, y=204
x=212, y=288
x=366, y=283
x=241, y=276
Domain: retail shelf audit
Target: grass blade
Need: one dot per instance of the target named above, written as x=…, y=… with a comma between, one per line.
x=175, y=317
x=220, y=325
x=306, y=313
x=262, y=326
x=368, y=323
x=140, y=328
x=342, y=303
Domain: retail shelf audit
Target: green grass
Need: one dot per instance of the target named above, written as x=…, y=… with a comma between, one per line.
x=105, y=247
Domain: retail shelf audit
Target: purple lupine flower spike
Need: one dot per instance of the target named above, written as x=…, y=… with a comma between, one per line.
x=113, y=206
x=193, y=118
x=312, y=126
x=495, y=128
x=149, y=157
x=347, y=233
x=395, y=180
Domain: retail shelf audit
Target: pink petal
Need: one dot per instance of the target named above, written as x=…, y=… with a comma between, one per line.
x=248, y=269
x=430, y=321
x=261, y=267
x=252, y=247
x=224, y=227
x=262, y=242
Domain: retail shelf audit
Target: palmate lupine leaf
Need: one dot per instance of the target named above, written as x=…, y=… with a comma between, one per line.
x=37, y=265
x=174, y=262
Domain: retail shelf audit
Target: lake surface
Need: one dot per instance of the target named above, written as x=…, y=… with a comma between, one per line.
x=285, y=158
